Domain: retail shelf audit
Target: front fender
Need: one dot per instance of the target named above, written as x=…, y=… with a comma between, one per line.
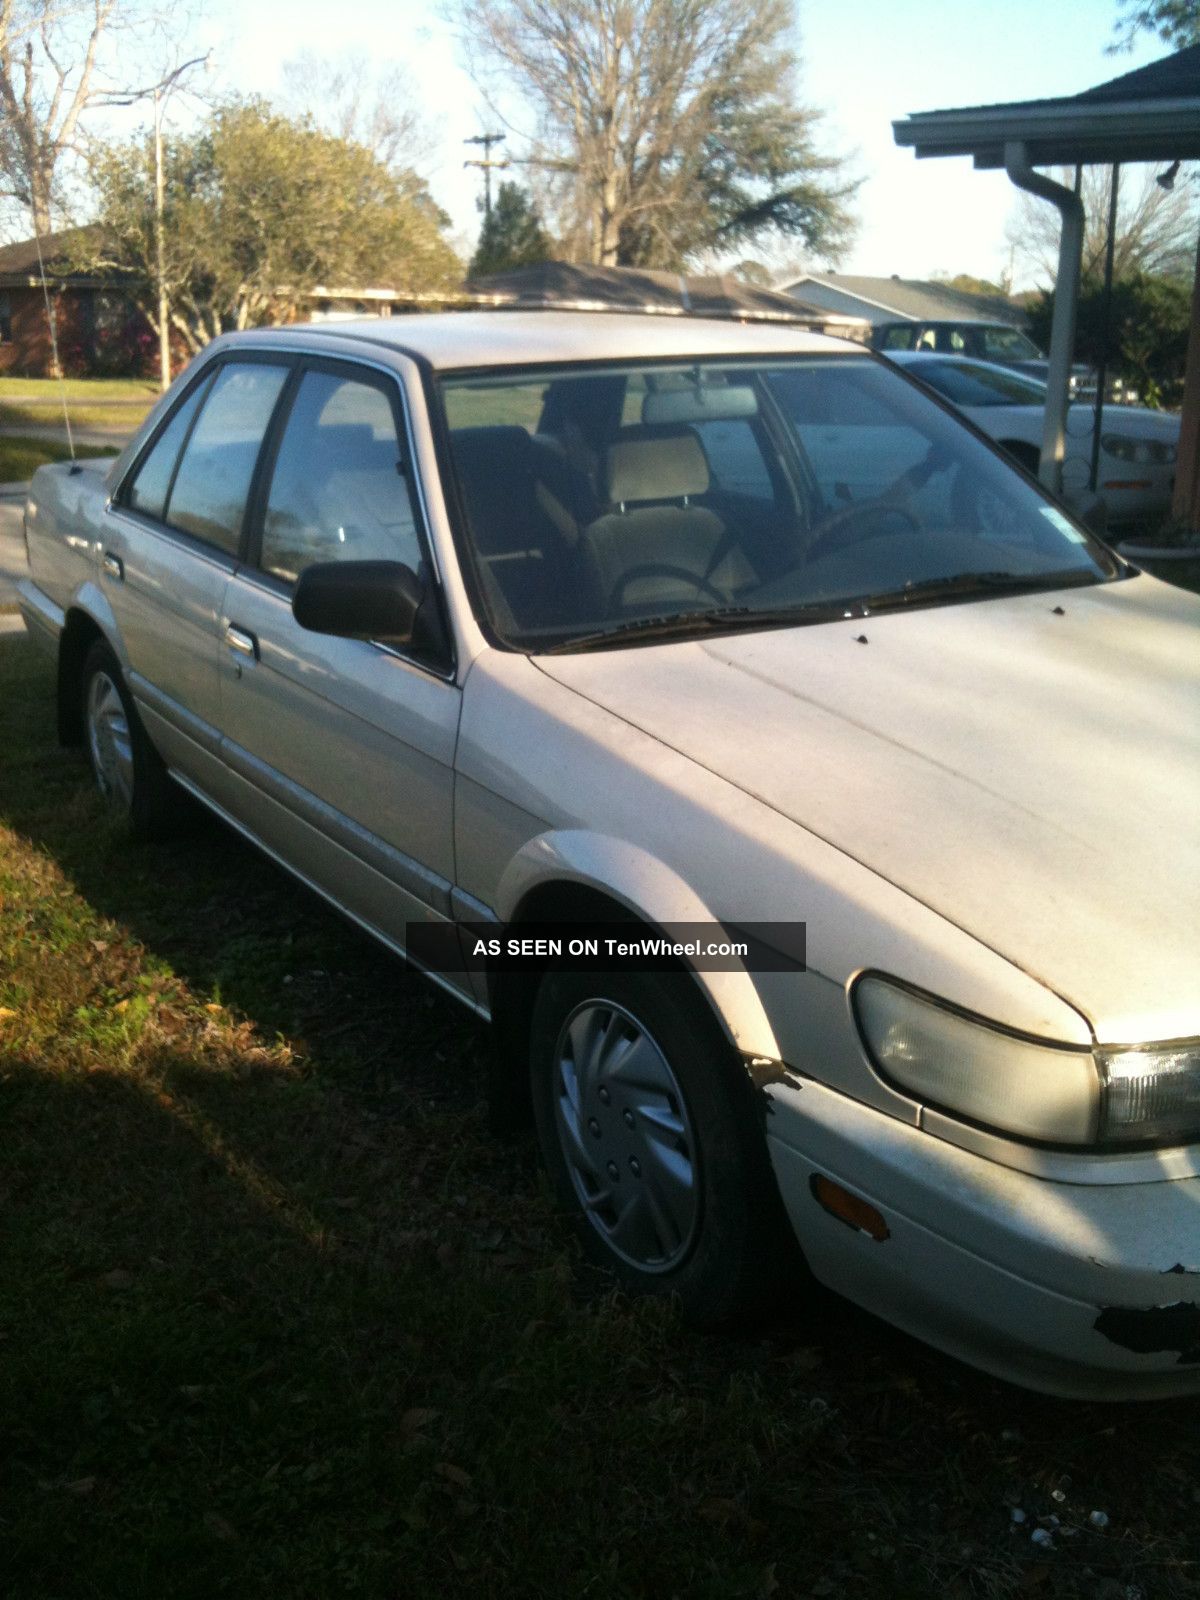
x=651, y=891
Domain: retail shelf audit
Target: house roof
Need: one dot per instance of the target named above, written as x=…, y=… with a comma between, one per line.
x=584, y=287
x=21, y=260
x=917, y=299
x=1150, y=114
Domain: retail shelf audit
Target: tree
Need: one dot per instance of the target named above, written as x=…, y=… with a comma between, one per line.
x=665, y=128
x=1156, y=227
x=967, y=283
x=48, y=62
x=259, y=211
x=348, y=99
x=512, y=236
x=752, y=272
x=1176, y=22
x=1146, y=338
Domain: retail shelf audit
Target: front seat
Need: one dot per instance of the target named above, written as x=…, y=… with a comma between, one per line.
x=654, y=548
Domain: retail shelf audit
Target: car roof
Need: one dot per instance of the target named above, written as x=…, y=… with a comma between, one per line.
x=470, y=339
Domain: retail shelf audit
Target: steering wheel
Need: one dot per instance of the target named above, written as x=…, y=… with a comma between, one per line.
x=854, y=523
x=663, y=569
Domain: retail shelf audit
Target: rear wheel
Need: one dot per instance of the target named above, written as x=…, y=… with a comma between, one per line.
x=128, y=770
x=652, y=1137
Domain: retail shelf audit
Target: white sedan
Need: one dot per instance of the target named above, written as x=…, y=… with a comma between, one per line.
x=518, y=637
x=1137, y=447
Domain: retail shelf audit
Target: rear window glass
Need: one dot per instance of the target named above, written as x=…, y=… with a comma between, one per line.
x=208, y=499
x=148, y=493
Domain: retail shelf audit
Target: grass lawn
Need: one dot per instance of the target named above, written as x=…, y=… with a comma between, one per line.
x=91, y=402
x=278, y=1318
x=20, y=458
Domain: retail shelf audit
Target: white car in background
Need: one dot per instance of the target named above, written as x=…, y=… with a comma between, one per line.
x=1137, y=447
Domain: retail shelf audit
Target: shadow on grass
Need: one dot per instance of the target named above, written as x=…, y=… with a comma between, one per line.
x=277, y=1318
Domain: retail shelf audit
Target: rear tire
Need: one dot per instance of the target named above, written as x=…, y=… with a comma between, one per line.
x=652, y=1136
x=129, y=772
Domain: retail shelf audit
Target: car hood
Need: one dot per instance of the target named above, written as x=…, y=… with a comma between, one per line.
x=1027, y=767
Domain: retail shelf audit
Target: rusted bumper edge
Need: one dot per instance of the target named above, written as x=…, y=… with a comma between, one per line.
x=1151, y=1330
x=1080, y=1290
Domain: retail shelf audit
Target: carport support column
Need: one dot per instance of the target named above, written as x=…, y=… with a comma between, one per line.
x=1066, y=301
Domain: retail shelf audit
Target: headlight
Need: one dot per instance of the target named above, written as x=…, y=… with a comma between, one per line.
x=1143, y=451
x=1054, y=1093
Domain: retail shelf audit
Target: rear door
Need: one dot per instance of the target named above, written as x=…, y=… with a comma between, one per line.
x=340, y=751
x=170, y=544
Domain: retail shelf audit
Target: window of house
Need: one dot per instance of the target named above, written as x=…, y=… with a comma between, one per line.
x=5, y=319
x=337, y=491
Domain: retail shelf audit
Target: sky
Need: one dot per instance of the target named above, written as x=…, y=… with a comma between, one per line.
x=865, y=62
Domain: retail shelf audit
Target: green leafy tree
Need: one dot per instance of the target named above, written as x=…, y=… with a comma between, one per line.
x=512, y=236
x=1145, y=341
x=665, y=128
x=1176, y=22
x=259, y=211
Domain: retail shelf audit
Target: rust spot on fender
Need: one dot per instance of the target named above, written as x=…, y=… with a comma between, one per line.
x=1147, y=1330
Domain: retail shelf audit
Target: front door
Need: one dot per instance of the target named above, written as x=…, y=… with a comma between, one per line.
x=341, y=751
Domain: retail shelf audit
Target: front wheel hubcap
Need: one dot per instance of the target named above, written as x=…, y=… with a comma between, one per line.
x=109, y=741
x=626, y=1134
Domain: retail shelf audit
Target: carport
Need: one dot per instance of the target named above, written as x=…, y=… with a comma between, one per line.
x=1149, y=115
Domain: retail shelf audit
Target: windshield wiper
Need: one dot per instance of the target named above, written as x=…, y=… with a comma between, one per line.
x=678, y=624
x=963, y=583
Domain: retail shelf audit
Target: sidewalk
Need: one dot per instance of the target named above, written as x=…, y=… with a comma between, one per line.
x=12, y=549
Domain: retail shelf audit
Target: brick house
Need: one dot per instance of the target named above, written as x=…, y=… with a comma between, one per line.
x=100, y=330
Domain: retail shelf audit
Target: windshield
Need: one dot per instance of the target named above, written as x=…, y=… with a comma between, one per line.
x=969, y=383
x=1010, y=344
x=602, y=501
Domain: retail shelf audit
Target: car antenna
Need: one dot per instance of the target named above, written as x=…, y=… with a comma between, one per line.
x=52, y=324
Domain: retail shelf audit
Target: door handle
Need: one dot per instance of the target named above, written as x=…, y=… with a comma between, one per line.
x=245, y=644
x=114, y=566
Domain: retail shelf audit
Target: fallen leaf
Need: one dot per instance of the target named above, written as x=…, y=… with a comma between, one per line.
x=453, y=1474
x=118, y=1278
x=416, y=1418
x=6, y=1012
x=218, y=1525
x=80, y=1486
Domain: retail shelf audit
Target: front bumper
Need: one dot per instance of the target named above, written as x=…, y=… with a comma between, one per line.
x=1084, y=1290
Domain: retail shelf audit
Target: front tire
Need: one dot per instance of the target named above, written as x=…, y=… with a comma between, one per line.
x=129, y=772
x=652, y=1136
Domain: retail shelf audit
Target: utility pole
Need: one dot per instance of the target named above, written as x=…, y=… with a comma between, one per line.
x=158, y=92
x=487, y=140
x=160, y=206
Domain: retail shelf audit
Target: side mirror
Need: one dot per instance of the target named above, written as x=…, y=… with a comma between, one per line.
x=379, y=600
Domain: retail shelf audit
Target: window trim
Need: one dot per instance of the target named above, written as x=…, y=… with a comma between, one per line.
x=390, y=384
x=207, y=375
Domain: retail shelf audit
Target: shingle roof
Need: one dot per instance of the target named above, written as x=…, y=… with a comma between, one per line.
x=919, y=298
x=21, y=259
x=588, y=287
x=1149, y=114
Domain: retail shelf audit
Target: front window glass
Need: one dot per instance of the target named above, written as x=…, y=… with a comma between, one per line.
x=900, y=337
x=735, y=493
x=208, y=497
x=337, y=492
